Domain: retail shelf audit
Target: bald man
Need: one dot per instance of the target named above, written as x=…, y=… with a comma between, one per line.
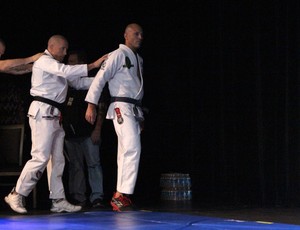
x=123, y=72
x=16, y=66
x=49, y=85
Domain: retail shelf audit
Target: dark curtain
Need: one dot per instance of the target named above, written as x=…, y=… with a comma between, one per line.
x=227, y=109
x=221, y=83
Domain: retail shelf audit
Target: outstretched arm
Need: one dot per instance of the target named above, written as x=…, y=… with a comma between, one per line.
x=18, y=65
x=97, y=63
x=22, y=69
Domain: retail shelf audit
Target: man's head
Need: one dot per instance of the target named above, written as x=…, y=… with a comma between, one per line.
x=133, y=36
x=2, y=47
x=58, y=46
x=77, y=57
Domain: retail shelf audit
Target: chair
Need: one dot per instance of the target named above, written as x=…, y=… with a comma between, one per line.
x=11, y=154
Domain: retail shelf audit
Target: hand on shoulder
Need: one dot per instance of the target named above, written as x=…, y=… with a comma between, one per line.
x=36, y=57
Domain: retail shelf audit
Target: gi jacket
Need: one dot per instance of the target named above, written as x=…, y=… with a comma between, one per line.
x=123, y=71
x=50, y=79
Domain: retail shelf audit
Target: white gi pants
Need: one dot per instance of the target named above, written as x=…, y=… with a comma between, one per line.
x=129, y=151
x=47, y=136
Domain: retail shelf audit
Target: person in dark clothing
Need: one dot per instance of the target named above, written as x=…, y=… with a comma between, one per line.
x=82, y=143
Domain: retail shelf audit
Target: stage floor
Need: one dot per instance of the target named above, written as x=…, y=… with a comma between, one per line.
x=174, y=215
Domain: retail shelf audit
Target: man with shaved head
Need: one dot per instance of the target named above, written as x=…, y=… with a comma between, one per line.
x=49, y=84
x=123, y=71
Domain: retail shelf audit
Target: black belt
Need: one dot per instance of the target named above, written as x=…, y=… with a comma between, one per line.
x=126, y=99
x=50, y=102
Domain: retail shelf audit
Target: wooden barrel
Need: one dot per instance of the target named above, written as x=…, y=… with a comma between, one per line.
x=175, y=186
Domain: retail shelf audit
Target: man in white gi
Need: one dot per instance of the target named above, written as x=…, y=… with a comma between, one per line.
x=123, y=72
x=49, y=85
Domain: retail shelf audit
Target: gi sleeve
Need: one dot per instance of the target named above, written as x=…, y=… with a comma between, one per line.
x=106, y=73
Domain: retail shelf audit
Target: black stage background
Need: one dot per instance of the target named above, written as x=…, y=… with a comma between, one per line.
x=221, y=83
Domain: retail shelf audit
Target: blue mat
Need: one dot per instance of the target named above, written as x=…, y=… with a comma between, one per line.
x=143, y=220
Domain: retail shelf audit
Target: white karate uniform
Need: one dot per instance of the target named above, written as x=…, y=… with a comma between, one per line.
x=50, y=80
x=123, y=81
